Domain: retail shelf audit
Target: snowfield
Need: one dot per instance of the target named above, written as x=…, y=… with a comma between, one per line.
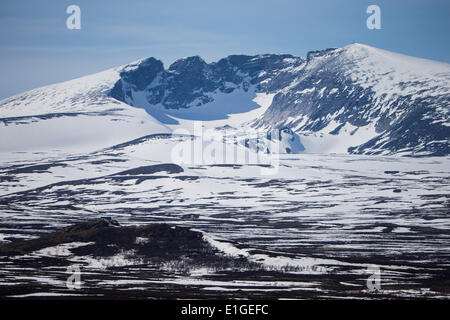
x=317, y=216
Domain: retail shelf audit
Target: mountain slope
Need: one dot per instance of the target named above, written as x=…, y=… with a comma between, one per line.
x=72, y=116
x=398, y=103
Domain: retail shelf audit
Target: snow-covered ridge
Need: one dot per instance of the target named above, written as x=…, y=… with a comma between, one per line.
x=389, y=73
x=74, y=116
x=85, y=94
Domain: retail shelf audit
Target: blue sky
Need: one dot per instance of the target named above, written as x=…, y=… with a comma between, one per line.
x=37, y=49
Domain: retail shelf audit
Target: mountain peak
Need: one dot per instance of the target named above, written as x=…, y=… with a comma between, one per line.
x=188, y=63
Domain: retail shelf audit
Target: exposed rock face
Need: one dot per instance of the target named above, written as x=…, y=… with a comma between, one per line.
x=190, y=81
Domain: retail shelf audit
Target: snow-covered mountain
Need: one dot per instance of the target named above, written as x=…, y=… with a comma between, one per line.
x=356, y=99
